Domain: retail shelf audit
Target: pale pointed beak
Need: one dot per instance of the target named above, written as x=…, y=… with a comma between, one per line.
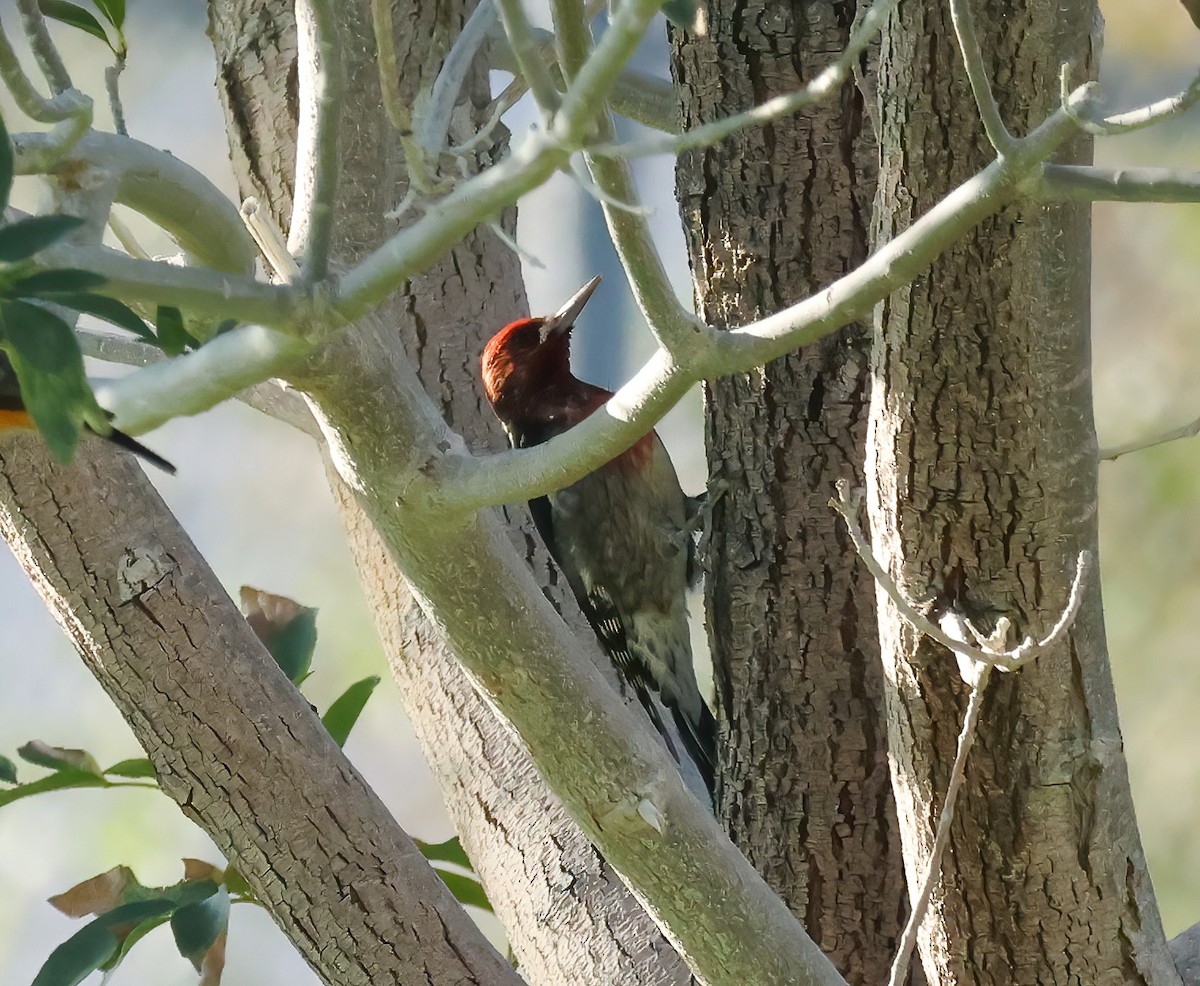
x=563, y=320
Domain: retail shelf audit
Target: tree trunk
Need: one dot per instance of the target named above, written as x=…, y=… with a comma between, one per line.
x=771, y=214
x=568, y=916
x=982, y=490
x=232, y=740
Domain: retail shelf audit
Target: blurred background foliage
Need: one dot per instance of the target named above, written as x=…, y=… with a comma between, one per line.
x=252, y=493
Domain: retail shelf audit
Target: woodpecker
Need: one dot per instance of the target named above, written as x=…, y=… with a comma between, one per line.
x=621, y=534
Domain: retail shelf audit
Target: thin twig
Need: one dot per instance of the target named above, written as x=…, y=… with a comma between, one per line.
x=270, y=240
x=126, y=238
x=322, y=82
x=963, y=16
x=1136, y=119
x=1082, y=183
x=966, y=739
x=1189, y=430
x=828, y=81
x=433, y=126
x=43, y=46
x=389, y=72
x=847, y=505
x=112, y=83
x=62, y=106
x=269, y=397
x=529, y=56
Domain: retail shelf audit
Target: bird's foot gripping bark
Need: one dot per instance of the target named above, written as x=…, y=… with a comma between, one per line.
x=699, y=519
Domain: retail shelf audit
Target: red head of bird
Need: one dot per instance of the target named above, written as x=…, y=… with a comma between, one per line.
x=529, y=355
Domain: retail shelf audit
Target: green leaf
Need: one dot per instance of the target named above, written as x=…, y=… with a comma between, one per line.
x=341, y=716
x=131, y=939
x=6, y=166
x=140, y=767
x=59, y=781
x=49, y=282
x=108, y=309
x=465, y=889
x=197, y=926
x=293, y=645
x=49, y=366
x=26, y=237
x=113, y=10
x=69, y=13
x=58, y=757
x=227, y=326
x=8, y=771
x=96, y=943
x=236, y=883
x=173, y=338
x=450, y=851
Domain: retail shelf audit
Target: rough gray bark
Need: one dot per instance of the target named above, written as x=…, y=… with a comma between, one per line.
x=770, y=215
x=232, y=740
x=568, y=916
x=982, y=489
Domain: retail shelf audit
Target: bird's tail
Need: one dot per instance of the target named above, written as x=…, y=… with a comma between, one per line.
x=140, y=450
x=699, y=734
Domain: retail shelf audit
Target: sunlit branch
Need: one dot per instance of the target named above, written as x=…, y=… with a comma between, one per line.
x=171, y=194
x=200, y=380
x=44, y=49
x=201, y=292
x=322, y=83
x=64, y=105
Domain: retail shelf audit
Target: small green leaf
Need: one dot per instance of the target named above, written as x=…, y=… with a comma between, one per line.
x=227, y=326
x=27, y=236
x=6, y=166
x=69, y=13
x=108, y=309
x=50, y=282
x=131, y=939
x=96, y=943
x=465, y=889
x=236, y=883
x=140, y=767
x=173, y=338
x=450, y=851
x=58, y=757
x=197, y=926
x=114, y=11
x=59, y=781
x=49, y=366
x=8, y=771
x=341, y=716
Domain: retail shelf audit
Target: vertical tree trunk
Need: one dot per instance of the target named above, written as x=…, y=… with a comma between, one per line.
x=770, y=215
x=982, y=490
x=568, y=916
